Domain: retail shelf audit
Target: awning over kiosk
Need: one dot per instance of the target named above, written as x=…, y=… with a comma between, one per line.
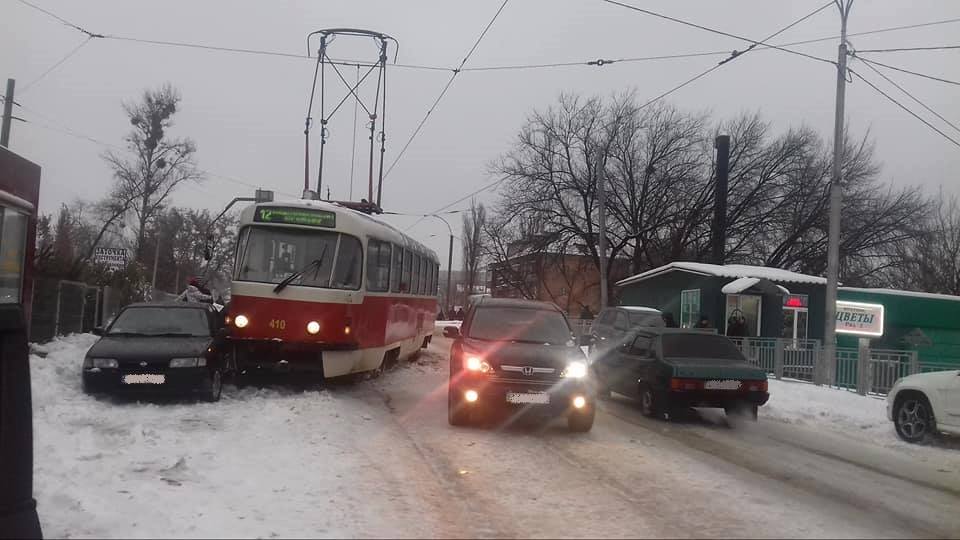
x=737, y=286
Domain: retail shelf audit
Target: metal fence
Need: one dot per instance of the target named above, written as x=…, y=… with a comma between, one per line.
x=877, y=372
x=63, y=307
x=793, y=358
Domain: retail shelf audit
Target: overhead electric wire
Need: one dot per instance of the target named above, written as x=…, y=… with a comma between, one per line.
x=51, y=125
x=904, y=107
x=731, y=56
x=906, y=49
x=57, y=64
x=491, y=185
x=753, y=43
x=446, y=87
x=911, y=96
x=925, y=76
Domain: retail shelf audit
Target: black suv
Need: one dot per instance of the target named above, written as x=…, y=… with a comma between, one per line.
x=613, y=325
x=517, y=354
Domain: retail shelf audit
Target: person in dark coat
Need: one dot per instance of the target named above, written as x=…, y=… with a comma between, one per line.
x=668, y=320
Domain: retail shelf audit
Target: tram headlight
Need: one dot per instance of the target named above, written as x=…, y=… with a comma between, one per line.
x=241, y=321
x=313, y=328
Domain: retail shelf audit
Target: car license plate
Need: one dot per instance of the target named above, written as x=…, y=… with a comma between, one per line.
x=539, y=398
x=144, y=378
x=722, y=385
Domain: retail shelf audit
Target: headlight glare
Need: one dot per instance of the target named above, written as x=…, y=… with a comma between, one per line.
x=575, y=370
x=241, y=321
x=313, y=327
x=477, y=364
x=104, y=363
x=186, y=362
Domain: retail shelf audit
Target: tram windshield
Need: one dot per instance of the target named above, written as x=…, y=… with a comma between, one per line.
x=271, y=254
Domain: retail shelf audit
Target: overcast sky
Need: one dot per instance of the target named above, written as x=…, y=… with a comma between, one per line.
x=246, y=112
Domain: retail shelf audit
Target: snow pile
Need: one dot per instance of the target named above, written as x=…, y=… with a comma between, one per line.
x=863, y=418
x=259, y=463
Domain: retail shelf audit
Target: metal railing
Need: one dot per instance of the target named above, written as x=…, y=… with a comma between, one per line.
x=792, y=358
x=874, y=371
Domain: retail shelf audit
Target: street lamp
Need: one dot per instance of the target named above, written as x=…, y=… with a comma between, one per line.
x=449, y=256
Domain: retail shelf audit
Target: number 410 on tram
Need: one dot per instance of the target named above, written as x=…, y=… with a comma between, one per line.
x=323, y=288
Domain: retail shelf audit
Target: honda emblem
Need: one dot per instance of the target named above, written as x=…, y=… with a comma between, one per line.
x=527, y=370
x=143, y=364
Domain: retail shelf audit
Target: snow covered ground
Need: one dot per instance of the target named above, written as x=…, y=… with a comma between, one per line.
x=259, y=463
x=862, y=418
x=377, y=459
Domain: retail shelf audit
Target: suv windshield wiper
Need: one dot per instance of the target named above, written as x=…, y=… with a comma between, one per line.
x=312, y=265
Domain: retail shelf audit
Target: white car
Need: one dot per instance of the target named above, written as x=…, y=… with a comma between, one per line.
x=923, y=404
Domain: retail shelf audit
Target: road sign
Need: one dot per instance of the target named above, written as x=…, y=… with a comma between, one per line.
x=113, y=258
x=859, y=319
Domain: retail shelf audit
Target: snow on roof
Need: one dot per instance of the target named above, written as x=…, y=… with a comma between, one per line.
x=895, y=292
x=728, y=270
x=643, y=309
x=739, y=285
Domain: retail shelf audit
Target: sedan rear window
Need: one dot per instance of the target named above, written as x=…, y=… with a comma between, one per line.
x=706, y=347
x=519, y=324
x=648, y=319
x=161, y=322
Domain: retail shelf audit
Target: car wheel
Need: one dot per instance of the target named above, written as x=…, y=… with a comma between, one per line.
x=913, y=418
x=582, y=421
x=458, y=414
x=649, y=404
x=213, y=386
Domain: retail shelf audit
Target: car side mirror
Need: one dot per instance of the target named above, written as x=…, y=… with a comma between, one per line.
x=97, y=331
x=586, y=340
x=451, y=332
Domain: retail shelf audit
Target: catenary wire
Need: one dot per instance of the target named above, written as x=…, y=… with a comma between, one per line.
x=57, y=64
x=904, y=107
x=925, y=76
x=911, y=96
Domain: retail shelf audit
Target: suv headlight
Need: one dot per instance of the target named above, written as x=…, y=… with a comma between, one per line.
x=475, y=363
x=105, y=363
x=188, y=362
x=575, y=370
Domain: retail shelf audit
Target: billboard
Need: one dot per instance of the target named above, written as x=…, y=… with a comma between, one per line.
x=859, y=319
x=113, y=258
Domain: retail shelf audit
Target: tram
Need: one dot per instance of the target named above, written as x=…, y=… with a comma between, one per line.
x=321, y=287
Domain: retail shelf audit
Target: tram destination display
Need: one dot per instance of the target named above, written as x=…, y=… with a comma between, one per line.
x=296, y=216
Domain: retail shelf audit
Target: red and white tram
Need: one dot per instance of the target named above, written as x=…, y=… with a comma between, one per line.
x=321, y=287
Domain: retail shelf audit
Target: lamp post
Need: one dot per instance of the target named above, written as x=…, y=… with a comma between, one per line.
x=449, y=257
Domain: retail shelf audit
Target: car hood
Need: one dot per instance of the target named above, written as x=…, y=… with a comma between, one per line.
x=499, y=353
x=149, y=348
x=707, y=368
x=937, y=378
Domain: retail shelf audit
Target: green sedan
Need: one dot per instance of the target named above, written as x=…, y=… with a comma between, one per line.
x=669, y=369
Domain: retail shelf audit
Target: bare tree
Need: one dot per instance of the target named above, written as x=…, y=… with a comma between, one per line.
x=473, y=223
x=158, y=164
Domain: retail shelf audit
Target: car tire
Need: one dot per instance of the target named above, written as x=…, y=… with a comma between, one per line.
x=650, y=406
x=913, y=418
x=582, y=421
x=213, y=386
x=458, y=414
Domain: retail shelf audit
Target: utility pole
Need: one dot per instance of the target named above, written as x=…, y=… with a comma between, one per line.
x=602, y=243
x=722, y=144
x=836, y=199
x=156, y=257
x=7, y=114
x=449, y=262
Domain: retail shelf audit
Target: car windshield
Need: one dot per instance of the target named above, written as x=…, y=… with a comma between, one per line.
x=645, y=318
x=707, y=347
x=159, y=321
x=519, y=324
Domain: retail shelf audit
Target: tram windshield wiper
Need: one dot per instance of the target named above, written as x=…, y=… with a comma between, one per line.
x=312, y=265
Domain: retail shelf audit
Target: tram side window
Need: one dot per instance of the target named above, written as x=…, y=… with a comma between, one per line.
x=396, y=268
x=349, y=262
x=378, y=265
x=425, y=276
x=405, y=279
x=415, y=278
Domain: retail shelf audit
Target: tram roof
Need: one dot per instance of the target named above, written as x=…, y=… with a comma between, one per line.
x=359, y=218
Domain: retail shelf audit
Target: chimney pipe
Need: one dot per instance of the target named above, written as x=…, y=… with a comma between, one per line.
x=719, y=236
